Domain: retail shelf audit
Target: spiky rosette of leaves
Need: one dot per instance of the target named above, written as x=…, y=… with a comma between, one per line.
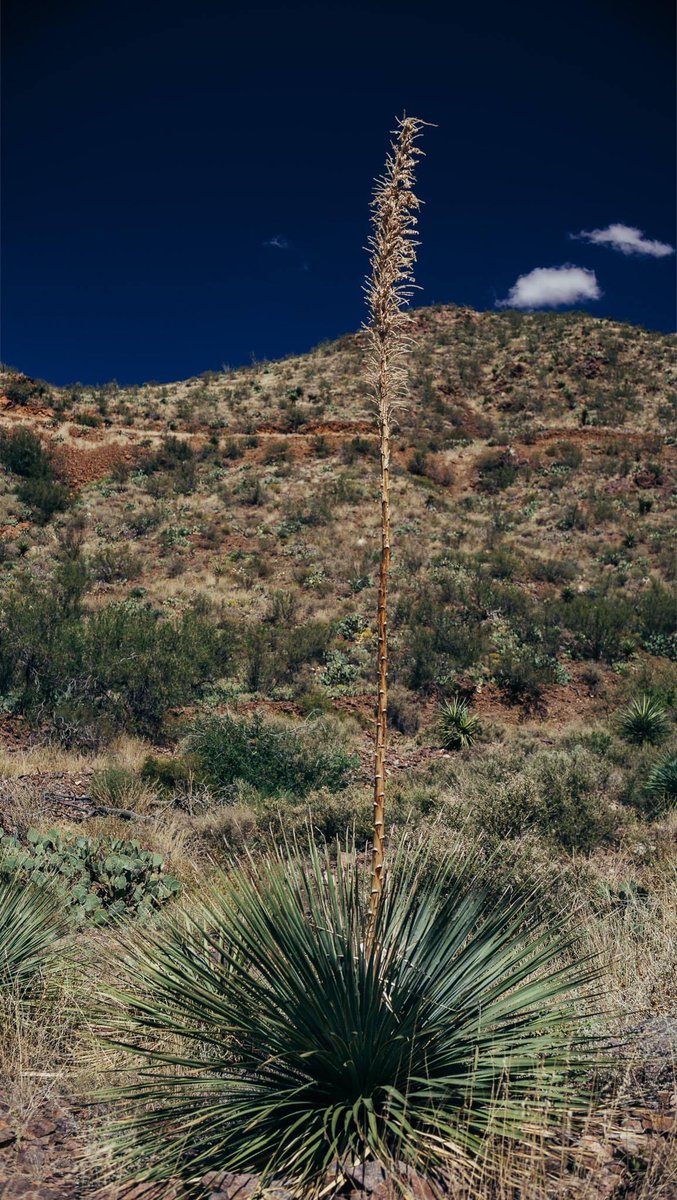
x=276, y=1037
x=661, y=785
x=32, y=925
x=458, y=726
x=644, y=720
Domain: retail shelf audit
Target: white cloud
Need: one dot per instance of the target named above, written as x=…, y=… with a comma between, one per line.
x=626, y=239
x=548, y=287
x=279, y=242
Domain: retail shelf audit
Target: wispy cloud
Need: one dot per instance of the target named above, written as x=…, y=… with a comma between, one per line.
x=278, y=242
x=626, y=239
x=548, y=287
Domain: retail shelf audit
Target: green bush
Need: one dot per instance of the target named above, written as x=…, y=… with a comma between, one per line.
x=171, y=774
x=273, y=654
x=568, y=796
x=522, y=675
x=598, y=624
x=44, y=497
x=20, y=390
x=99, y=878
x=497, y=470
x=438, y=640
x=118, y=787
x=23, y=453
x=274, y=758
x=644, y=720
x=657, y=611
x=114, y=563
x=121, y=668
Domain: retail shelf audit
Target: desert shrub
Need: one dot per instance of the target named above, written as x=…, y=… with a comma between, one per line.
x=283, y=608
x=275, y=654
x=114, y=563
x=566, y=454
x=598, y=623
x=657, y=613
x=567, y=795
x=502, y=564
x=20, y=389
x=458, y=726
x=350, y=626
x=644, y=720
x=232, y=449
x=277, y=451
x=303, y=644
x=170, y=455
x=118, y=787
x=171, y=774
x=418, y=463
x=522, y=675
x=44, y=497
x=404, y=712
x=660, y=788
x=122, y=667
x=497, y=470
x=357, y=447
x=275, y=758
x=250, y=490
x=553, y=570
x=437, y=639
x=22, y=453
x=98, y=879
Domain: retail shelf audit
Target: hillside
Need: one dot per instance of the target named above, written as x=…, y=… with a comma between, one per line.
x=179, y=560
x=537, y=456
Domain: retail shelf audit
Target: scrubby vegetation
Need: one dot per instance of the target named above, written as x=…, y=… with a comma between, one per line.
x=188, y=583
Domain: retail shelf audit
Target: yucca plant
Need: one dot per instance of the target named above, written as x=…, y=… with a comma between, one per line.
x=458, y=726
x=31, y=926
x=389, y=289
x=644, y=720
x=661, y=785
x=275, y=1036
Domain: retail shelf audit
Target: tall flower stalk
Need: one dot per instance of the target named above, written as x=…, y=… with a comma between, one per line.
x=389, y=289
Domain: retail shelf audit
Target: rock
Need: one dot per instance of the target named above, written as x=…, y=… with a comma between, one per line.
x=591, y=1149
x=629, y=1143
x=658, y=1040
x=7, y=1134
x=660, y=1122
x=226, y=1185
x=40, y=1129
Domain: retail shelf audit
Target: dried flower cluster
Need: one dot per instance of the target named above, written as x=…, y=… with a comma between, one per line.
x=389, y=289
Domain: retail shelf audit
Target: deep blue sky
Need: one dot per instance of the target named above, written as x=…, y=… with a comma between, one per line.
x=152, y=148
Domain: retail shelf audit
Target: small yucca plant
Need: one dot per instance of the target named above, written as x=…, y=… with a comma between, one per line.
x=31, y=926
x=661, y=785
x=458, y=726
x=644, y=720
x=275, y=1036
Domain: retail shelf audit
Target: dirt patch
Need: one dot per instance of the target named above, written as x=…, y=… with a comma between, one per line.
x=79, y=466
